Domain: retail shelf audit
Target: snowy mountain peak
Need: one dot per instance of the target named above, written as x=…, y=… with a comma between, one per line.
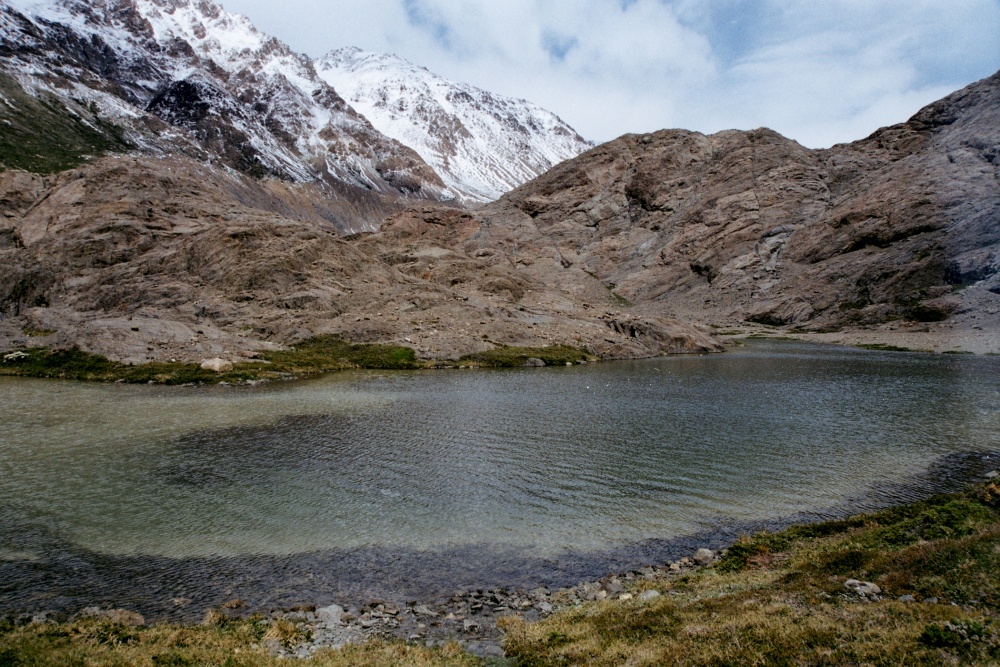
x=187, y=76
x=235, y=95
x=481, y=144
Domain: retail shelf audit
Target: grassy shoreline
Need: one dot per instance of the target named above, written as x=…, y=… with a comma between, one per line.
x=782, y=598
x=322, y=354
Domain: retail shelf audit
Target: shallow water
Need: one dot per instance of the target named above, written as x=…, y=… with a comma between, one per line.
x=537, y=463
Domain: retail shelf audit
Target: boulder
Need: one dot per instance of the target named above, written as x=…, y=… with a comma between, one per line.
x=645, y=596
x=863, y=588
x=330, y=616
x=534, y=362
x=217, y=365
x=704, y=557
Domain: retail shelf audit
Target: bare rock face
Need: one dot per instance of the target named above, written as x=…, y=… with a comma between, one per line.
x=750, y=226
x=144, y=259
x=628, y=250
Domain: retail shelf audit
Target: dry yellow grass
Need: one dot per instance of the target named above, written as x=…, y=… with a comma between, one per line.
x=781, y=600
x=233, y=644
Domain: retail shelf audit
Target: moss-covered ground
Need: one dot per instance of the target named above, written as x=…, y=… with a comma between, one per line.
x=322, y=354
x=780, y=599
x=317, y=355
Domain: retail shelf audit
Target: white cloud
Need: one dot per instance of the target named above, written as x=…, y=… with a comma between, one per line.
x=820, y=72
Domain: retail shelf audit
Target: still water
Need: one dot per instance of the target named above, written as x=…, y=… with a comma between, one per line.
x=544, y=461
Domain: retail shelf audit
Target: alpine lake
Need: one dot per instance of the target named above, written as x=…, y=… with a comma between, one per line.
x=415, y=483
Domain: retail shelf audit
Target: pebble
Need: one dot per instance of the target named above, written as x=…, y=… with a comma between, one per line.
x=468, y=616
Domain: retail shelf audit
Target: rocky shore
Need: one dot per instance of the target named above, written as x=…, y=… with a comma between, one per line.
x=469, y=616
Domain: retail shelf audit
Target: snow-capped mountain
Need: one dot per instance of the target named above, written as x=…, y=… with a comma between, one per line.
x=481, y=144
x=186, y=76
x=225, y=91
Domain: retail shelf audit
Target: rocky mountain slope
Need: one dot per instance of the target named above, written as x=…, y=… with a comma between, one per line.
x=632, y=249
x=184, y=76
x=901, y=228
x=143, y=259
x=482, y=144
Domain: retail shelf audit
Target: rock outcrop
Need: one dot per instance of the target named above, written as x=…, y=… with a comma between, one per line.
x=629, y=250
x=143, y=259
x=751, y=226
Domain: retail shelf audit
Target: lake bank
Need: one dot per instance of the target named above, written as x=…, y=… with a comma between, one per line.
x=327, y=354
x=365, y=486
x=790, y=595
x=164, y=590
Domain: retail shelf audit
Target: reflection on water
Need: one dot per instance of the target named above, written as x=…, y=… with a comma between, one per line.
x=581, y=458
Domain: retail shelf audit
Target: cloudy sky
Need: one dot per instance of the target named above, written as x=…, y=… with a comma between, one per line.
x=818, y=71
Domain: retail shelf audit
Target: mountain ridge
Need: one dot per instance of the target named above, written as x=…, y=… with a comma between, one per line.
x=482, y=144
x=228, y=92
x=645, y=245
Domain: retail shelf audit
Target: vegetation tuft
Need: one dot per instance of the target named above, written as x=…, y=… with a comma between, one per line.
x=242, y=643
x=884, y=347
x=316, y=355
x=329, y=353
x=780, y=599
x=512, y=357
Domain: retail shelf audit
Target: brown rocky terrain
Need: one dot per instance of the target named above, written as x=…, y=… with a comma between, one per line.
x=143, y=259
x=633, y=249
x=899, y=231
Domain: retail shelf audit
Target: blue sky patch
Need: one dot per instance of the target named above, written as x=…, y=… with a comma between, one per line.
x=558, y=46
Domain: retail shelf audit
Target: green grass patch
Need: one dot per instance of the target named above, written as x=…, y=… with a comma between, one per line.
x=43, y=136
x=75, y=364
x=322, y=354
x=329, y=353
x=512, y=357
x=316, y=355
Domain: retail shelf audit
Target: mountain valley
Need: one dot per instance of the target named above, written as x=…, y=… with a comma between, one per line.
x=191, y=188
